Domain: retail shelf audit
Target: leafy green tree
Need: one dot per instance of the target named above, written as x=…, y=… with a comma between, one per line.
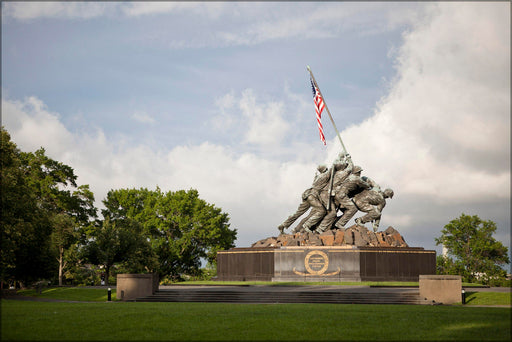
x=25, y=249
x=120, y=241
x=472, y=251
x=52, y=182
x=38, y=195
x=68, y=206
x=181, y=227
x=63, y=236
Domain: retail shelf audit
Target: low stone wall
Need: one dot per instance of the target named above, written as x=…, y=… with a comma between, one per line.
x=445, y=289
x=132, y=286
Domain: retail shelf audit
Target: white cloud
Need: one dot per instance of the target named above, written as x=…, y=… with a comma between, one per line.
x=135, y=9
x=143, y=117
x=35, y=125
x=266, y=124
x=57, y=9
x=235, y=23
x=88, y=10
x=145, y=8
x=224, y=121
x=263, y=123
x=319, y=20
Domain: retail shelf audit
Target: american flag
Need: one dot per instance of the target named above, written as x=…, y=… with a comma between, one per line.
x=319, y=107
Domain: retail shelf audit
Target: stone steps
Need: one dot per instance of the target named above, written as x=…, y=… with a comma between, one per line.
x=273, y=296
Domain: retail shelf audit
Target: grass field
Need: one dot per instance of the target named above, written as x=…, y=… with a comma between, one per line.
x=100, y=321
x=71, y=293
x=28, y=320
x=488, y=298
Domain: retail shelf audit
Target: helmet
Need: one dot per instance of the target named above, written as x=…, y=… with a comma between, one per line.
x=340, y=165
x=388, y=193
x=357, y=169
x=322, y=168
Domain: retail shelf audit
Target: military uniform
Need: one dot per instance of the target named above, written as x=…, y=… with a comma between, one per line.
x=343, y=197
x=310, y=199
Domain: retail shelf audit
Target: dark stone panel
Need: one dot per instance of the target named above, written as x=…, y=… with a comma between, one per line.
x=400, y=264
x=241, y=264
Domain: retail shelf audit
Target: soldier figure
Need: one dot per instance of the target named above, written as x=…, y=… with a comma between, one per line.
x=342, y=170
x=372, y=202
x=344, y=193
x=310, y=199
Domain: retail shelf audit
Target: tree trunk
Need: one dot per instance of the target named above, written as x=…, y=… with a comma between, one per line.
x=61, y=266
x=107, y=274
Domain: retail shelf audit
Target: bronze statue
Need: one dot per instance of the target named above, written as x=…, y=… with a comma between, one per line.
x=340, y=188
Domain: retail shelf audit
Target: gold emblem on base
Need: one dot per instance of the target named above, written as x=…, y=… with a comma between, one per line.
x=316, y=263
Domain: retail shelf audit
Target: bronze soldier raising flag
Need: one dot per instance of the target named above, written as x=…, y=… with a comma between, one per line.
x=341, y=188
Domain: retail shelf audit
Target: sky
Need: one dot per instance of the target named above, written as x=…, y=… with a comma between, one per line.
x=215, y=96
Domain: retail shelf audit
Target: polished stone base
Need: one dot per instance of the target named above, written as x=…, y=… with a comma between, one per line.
x=322, y=263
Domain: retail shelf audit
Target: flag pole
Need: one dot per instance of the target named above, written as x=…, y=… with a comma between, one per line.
x=327, y=109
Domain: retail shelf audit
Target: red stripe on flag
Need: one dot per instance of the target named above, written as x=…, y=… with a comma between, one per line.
x=319, y=107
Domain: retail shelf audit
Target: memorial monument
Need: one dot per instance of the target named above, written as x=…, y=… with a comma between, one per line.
x=320, y=247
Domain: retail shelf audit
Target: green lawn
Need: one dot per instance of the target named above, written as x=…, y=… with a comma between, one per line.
x=488, y=298
x=71, y=293
x=27, y=320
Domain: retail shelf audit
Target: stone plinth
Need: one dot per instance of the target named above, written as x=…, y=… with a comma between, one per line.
x=132, y=286
x=325, y=263
x=445, y=289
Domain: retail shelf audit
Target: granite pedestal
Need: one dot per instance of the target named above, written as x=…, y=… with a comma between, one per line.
x=323, y=263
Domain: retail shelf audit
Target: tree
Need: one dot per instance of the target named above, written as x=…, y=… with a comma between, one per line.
x=120, y=241
x=70, y=223
x=69, y=207
x=181, y=227
x=25, y=227
x=38, y=195
x=63, y=236
x=477, y=255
